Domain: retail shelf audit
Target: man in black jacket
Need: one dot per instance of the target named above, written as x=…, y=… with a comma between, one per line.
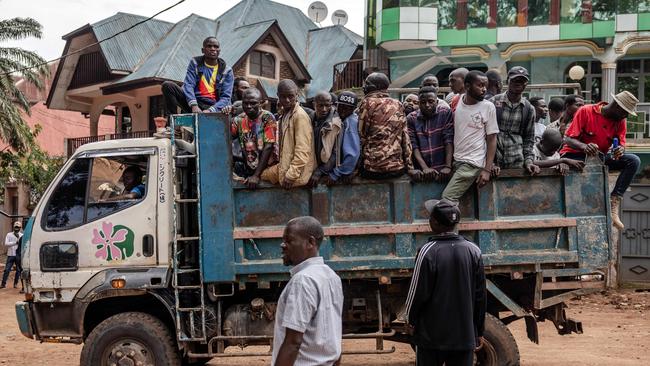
x=446, y=301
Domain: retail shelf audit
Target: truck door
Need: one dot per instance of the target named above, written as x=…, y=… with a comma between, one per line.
x=102, y=213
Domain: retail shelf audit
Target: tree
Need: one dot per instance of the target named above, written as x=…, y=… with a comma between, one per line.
x=13, y=130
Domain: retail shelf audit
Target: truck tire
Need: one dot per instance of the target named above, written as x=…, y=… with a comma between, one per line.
x=139, y=338
x=500, y=347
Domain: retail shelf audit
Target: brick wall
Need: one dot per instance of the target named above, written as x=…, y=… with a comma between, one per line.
x=270, y=41
x=285, y=71
x=240, y=68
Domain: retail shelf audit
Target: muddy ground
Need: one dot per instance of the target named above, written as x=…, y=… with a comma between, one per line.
x=616, y=332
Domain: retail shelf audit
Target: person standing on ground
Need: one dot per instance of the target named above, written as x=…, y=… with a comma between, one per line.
x=308, y=319
x=12, y=242
x=494, y=83
x=516, y=118
x=475, y=138
x=593, y=131
x=207, y=86
x=446, y=302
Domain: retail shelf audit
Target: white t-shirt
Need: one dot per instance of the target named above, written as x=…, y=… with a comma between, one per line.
x=11, y=242
x=472, y=124
x=539, y=131
x=539, y=155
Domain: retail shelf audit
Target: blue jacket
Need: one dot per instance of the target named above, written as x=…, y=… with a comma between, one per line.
x=224, y=83
x=350, y=148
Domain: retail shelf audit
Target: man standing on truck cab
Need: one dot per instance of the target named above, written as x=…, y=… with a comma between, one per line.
x=446, y=302
x=308, y=319
x=593, y=131
x=516, y=119
x=12, y=241
x=475, y=138
x=295, y=141
x=256, y=132
x=207, y=86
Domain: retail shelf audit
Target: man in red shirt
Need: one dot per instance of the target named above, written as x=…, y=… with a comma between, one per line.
x=592, y=132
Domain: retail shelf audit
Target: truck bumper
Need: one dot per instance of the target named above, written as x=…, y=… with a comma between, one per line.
x=25, y=320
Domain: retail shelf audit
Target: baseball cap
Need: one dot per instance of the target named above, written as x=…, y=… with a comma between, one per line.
x=18, y=224
x=518, y=71
x=348, y=98
x=444, y=211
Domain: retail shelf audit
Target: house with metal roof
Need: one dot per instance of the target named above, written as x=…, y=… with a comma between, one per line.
x=262, y=40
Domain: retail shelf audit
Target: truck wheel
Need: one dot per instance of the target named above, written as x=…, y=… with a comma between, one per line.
x=130, y=339
x=500, y=347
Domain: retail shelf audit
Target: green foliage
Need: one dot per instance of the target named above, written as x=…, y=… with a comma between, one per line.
x=13, y=129
x=32, y=166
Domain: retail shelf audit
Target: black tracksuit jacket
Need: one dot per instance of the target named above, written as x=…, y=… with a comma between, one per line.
x=446, y=302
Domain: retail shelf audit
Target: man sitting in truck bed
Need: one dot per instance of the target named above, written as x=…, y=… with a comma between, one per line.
x=385, y=144
x=431, y=130
x=295, y=140
x=336, y=136
x=593, y=131
x=256, y=132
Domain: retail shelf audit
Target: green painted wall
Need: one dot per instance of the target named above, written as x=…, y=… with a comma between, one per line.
x=452, y=37
x=644, y=21
x=476, y=36
x=574, y=31
x=604, y=28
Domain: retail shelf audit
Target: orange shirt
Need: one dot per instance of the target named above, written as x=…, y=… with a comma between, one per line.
x=590, y=126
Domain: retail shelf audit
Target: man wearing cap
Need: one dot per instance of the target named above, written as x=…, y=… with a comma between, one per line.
x=446, y=302
x=337, y=146
x=516, y=119
x=593, y=131
x=11, y=242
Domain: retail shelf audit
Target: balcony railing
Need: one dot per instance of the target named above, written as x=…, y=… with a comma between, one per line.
x=74, y=143
x=351, y=74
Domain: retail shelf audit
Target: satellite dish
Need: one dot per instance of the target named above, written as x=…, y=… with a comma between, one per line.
x=340, y=17
x=317, y=11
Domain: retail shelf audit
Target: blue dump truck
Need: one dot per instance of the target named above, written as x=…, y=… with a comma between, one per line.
x=192, y=265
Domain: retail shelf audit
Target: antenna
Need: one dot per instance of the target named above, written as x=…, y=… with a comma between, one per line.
x=317, y=11
x=340, y=17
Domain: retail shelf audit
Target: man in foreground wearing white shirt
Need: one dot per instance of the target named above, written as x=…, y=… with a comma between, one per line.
x=11, y=242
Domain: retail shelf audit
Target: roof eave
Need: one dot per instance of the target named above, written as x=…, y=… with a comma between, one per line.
x=77, y=32
x=133, y=84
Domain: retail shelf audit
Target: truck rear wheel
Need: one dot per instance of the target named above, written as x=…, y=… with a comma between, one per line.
x=137, y=339
x=500, y=347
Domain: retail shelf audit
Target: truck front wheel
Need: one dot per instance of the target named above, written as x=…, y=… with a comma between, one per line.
x=134, y=338
x=500, y=347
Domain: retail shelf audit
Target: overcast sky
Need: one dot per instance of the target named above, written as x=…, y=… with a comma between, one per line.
x=59, y=17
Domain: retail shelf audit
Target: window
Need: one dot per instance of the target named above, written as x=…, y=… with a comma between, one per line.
x=65, y=208
x=629, y=6
x=477, y=13
x=115, y=183
x=447, y=11
x=604, y=9
x=591, y=82
x=56, y=257
x=571, y=11
x=262, y=64
x=539, y=12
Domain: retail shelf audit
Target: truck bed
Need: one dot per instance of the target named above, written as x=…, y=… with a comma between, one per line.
x=373, y=228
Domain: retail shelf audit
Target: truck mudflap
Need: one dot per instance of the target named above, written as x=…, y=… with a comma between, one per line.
x=24, y=317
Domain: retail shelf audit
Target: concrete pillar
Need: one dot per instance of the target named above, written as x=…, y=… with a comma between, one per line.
x=609, y=81
x=95, y=113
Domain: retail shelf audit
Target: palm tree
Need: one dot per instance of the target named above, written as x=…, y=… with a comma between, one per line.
x=13, y=130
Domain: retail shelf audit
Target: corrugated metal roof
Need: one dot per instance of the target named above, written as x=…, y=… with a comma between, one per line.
x=127, y=49
x=327, y=47
x=293, y=22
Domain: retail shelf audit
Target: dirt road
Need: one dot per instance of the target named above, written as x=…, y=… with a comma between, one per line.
x=616, y=325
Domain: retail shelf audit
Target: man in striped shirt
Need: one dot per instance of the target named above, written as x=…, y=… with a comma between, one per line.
x=431, y=130
x=446, y=302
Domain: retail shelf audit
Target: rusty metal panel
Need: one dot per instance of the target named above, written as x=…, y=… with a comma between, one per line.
x=586, y=193
x=361, y=203
x=635, y=239
x=539, y=196
x=270, y=206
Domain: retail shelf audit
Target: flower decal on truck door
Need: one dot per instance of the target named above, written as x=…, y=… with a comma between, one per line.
x=113, y=242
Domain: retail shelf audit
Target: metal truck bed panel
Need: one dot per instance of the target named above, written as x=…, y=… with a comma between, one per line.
x=375, y=227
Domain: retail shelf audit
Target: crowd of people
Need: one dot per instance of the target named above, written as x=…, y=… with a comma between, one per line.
x=467, y=138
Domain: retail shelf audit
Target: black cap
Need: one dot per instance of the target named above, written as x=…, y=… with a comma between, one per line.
x=348, y=98
x=518, y=71
x=444, y=211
